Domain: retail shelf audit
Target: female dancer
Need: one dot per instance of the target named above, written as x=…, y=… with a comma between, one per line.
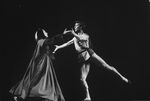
x=85, y=53
x=40, y=78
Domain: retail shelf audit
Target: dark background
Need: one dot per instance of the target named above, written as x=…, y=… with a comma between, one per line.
x=119, y=33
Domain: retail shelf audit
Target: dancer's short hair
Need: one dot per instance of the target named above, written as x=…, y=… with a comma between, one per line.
x=81, y=23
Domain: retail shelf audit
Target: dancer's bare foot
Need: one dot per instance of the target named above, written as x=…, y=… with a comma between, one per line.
x=87, y=99
x=126, y=80
x=15, y=98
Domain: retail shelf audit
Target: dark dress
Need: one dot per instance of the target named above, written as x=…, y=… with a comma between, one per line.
x=40, y=79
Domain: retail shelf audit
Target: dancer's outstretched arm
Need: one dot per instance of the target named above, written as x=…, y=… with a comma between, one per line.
x=63, y=45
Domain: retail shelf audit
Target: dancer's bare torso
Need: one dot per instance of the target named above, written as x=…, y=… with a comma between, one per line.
x=78, y=43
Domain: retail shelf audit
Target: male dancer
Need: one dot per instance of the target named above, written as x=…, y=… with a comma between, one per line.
x=85, y=53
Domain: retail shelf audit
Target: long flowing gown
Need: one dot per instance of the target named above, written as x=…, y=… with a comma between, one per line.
x=40, y=79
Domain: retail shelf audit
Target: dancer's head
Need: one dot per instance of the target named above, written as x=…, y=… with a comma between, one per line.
x=79, y=25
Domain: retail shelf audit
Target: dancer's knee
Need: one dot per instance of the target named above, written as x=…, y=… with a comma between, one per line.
x=82, y=79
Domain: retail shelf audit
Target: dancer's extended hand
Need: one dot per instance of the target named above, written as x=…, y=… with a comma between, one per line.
x=56, y=48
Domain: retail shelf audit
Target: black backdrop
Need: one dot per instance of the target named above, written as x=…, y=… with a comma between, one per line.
x=119, y=34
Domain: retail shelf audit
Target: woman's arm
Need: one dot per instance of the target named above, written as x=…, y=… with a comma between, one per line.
x=71, y=32
x=75, y=35
x=63, y=45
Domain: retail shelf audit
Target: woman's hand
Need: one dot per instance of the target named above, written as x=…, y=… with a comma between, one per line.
x=66, y=31
x=69, y=32
x=72, y=31
x=56, y=48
